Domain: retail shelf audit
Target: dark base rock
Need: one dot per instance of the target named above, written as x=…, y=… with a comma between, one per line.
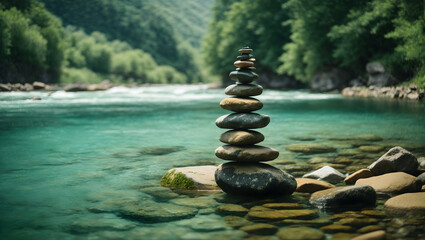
x=344, y=196
x=254, y=179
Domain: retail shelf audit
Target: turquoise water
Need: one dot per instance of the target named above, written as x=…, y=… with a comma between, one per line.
x=71, y=152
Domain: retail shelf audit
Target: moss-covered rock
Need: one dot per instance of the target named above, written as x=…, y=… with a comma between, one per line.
x=190, y=178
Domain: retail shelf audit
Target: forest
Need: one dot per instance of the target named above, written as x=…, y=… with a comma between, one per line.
x=163, y=42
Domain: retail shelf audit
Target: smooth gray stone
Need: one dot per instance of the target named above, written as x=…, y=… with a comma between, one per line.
x=244, y=90
x=244, y=57
x=242, y=121
x=243, y=76
x=342, y=196
x=246, y=154
x=254, y=179
x=397, y=159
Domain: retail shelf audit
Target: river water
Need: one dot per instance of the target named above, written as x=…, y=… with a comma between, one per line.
x=69, y=161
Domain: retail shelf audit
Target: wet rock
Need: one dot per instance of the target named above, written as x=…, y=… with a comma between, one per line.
x=246, y=154
x=373, y=213
x=239, y=104
x=38, y=85
x=377, y=235
x=260, y=229
x=397, y=159
x=161, y=193
x=370, y=228
x=316, y=160
x=344, y=236
x=243, y=76
x=243, y=121
x=99, y=224
x=308, y=185
x=300, y=233
x=236, y=222
x=243, y=64
x=302, y=138
x=421, y=177
x=275, y=215
x=244, y=90
x=282, y=205
x=344, y=196
x=327, y=174
x=343, y=160
x=197, y=177
x=371, y=148
x=362, y=173
x=158, y=151
x=318, y=222
x=204, y=224
x=357, y=222
x=408, y=202
x=336, y=228
x=36, y=98
x=421, y=162
x=392, y=183
x=232, y=209
x=156, y=212
x=199, y=202
x=310, y=148
x=254, y=179
x=347, y=214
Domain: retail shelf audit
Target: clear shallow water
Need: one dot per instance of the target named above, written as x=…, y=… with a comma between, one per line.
x=70, y=152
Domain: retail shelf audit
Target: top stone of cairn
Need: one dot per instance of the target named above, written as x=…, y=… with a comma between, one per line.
x=245, y=50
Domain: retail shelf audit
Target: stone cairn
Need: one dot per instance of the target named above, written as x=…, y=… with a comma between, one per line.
x=246, y=175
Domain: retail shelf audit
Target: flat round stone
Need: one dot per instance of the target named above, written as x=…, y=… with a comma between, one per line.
x=244, y=90
x=253, y=179
x=246, y=154
x=241, y=137
x=243, y=76
x=239, y=104
x=248, y=68
x=245, y=50
x=243, y=57
x=251, y=59
x=242, y=121
x=242, y=64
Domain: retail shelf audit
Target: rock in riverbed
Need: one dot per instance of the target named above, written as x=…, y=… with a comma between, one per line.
x=344, y=196
x=326, y=173
x=411, y=202
x=392, y=183
x=253, y=179
x=397, y=159
x=197, y=177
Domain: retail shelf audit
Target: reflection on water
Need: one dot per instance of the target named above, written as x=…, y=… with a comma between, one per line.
x=74, y=165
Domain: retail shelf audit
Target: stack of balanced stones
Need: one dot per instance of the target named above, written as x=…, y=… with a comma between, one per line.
x=245, y=175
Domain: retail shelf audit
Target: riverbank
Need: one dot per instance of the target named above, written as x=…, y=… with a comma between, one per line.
x=411, y=92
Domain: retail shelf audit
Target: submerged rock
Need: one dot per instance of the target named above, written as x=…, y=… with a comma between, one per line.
x=326, y=173
x=254, y=179
x=197, y=177
x=232, y=209
x=260, y=229
x=344, y=196
x=156, y=212
x=376, y=235
x=397, y=159
x=246, y=154
x=161, y=150
x=310, y=148
x=371, y=149
x=392, y=183
x=300, y=233
x=274, y=215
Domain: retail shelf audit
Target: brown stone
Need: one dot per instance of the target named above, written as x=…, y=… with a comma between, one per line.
x=260, y=229
x=372, y=149
x=239, y=104
x=344, y=236
x=370, y=228
x=281, y=214
x=245, y=50
x=362, y=173
x=336, y=228
x=377, y=235
x=357, y=222
x=300, y=233
x=392, y=183
x=232, y=209
x=282, y=206
x=242, y=64
x=318, y=222
x=246, y=154
x=308, y=185
x=412, y=202
x=241, y=137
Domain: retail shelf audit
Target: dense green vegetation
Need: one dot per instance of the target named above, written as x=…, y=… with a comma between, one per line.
x=124, y=40
x=313, y=35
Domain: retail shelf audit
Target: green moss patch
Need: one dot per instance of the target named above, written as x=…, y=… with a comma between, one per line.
x=177, y=180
